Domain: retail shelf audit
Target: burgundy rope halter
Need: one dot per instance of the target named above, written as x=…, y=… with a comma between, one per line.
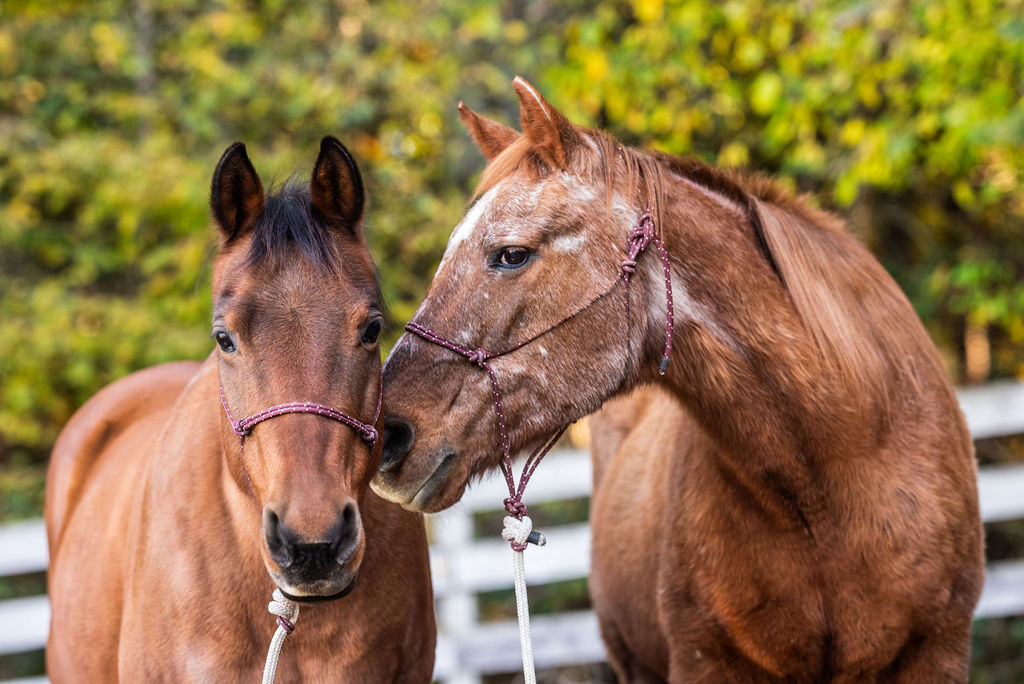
x=244, y=426
x=639, y=238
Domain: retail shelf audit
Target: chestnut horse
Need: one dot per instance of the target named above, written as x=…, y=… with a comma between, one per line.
x=798, y=504
x=168, y=533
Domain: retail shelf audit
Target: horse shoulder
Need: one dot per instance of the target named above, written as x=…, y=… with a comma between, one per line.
x=639, y=441
x=83, y=442
x=634, y=413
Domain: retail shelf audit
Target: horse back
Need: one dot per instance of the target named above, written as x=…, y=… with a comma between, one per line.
x=142, y=397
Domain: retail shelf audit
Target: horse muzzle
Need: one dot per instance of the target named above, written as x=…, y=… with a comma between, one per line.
x=318, y=570
x=423, y=487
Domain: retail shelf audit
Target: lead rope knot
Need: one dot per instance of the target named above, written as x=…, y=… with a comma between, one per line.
x=517, y=531
x=287, y=612
x=478, y=357
x=515, y=508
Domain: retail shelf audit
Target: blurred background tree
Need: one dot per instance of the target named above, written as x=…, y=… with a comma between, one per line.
x=906, y=116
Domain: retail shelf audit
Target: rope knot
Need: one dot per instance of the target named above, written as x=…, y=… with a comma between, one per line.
x=287, y=625
x=629, y=266
x=286, y=610
x=478, y=357
x=515, y=508
x=369, y=434
x=517, y=531
x=640, y=237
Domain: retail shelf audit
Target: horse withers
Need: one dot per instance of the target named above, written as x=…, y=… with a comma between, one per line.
x=797, y=503
x=176, y=503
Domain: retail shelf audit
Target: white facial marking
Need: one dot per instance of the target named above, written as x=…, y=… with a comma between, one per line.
x=569, y=243
x=576, y=188
x=543, y=351
x=466, y=226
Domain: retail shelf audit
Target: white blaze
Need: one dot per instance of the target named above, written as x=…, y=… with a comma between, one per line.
x=466, y=226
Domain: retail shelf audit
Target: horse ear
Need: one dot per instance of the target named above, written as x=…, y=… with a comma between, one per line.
x=236, y=194
x=551, y=133
x=490, y=136
x=337, y=187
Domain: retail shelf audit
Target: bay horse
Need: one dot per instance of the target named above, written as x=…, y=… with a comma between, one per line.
x=795, y=503
x=168, y=531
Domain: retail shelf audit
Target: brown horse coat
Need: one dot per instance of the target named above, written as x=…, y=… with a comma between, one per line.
x=798, y=504
x=158, y=519
x=722, y=585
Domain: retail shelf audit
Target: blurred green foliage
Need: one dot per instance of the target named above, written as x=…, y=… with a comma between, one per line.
x=906, y=116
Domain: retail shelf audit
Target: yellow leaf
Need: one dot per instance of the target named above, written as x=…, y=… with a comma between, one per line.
x=596, y=66
x=648, y=11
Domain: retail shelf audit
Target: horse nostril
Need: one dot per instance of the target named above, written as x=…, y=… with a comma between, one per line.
x=398, y=437
x=348, y=533
x=277, y=545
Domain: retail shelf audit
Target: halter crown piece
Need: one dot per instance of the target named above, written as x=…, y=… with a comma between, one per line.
x=641, y=236
x=518, y=530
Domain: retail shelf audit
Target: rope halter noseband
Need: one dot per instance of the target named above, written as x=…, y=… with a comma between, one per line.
x=244, y=427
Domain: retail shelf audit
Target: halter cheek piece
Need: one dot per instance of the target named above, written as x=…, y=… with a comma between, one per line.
x=244, y=426
x=639, y=238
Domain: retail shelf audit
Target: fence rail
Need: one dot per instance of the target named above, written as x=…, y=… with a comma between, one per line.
x=463, y=566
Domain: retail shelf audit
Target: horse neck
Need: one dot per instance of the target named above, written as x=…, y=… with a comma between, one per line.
x=747, y=364
x=194, y=460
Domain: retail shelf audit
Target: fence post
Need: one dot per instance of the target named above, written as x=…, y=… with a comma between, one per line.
x=457, y=610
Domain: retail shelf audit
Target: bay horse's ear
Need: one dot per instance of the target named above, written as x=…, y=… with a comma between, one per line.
x=236, y=194
x=551, y=133
x=490, y=136
x=337, y=187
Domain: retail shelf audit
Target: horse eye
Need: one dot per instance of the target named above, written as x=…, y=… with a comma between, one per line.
x=225, y=341
x=371, y=332
x=512, y=257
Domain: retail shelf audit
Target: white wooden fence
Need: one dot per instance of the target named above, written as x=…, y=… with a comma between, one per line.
x=464, y=566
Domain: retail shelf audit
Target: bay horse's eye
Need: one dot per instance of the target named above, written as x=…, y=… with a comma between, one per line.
x=224, y=340
x=511, y=257
x=371, y=332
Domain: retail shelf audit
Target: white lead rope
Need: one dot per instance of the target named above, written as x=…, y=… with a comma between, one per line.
x=282, y=608
x=518, y=531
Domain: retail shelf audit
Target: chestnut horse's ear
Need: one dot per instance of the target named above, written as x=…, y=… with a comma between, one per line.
x=490, y=136
x=337, y=187
x=551, y=133
x=236, y=194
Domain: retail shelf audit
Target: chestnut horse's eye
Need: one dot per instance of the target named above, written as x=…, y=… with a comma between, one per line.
x=224, y=340
x=511, y=257
x=371, y=332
